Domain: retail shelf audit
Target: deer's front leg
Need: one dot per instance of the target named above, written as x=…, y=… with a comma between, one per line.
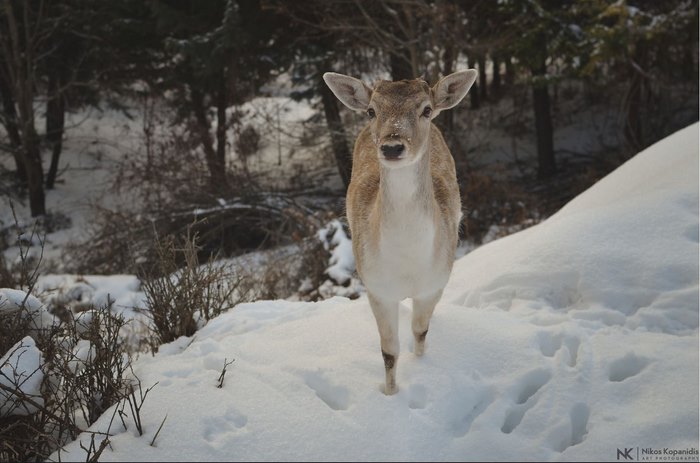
x=422, y=312
x=387, y=315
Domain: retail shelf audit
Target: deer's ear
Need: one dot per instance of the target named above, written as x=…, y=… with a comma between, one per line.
x=352, y=92
x=450, y=90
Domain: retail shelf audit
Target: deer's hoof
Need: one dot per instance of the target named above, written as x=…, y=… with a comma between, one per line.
x=419, y=349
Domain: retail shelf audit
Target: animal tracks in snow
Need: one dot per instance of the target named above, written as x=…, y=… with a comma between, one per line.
x=572, y=430
x=218, y=428
x=417, y=396
x=470, y=406
x=626, y=367
x=550, y=343
x=526, y=390
x=336, y=397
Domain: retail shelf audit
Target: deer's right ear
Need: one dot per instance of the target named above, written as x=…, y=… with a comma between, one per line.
x=352, y=92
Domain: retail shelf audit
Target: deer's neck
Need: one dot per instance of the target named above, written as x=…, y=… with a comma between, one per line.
x=406, y=192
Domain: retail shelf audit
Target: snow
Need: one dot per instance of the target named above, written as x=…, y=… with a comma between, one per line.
x=12, y=300
x=342, y=261
x=566, y=341
x=20, y=371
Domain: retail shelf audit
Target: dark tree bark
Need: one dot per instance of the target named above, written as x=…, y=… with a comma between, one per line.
x=400, y=64
x=221, y=125
x=633, y=126
x=496, y=81
x=55, y=122
x=543, y=124
x=446, y=119
x=35, y=171
x=481, y=60
x=341, y=151
x=9, y=120
x=634, y=99
x=18, y=60
x=474, y=100
x=217, y=174
x=510, y=71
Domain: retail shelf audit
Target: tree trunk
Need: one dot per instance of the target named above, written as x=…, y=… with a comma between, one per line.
x=474, y=100
x=400, y=63
x=481, y=59
x=633, y=131
x=221, y=124
x=341, y=151
x=10, y=123
x=543, y=124
x=496, y=80
x=55, y=123
x=35, y=172
x=633, y=125
x=19, y=65
x=510, y=72
x=203, y=129
x=445, y=121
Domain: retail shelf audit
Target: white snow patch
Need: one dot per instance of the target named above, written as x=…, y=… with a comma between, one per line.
x=20, y=371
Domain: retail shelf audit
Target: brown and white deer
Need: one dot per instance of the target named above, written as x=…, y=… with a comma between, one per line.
x=403, y=202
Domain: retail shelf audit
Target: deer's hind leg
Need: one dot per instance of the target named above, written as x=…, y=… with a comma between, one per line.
x=386, y=314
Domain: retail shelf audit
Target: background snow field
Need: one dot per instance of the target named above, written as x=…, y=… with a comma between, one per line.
x=565, y=341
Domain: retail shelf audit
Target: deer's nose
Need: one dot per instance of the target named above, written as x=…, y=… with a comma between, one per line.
x=392, y=151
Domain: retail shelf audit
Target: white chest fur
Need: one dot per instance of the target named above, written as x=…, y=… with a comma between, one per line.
x=405, y=262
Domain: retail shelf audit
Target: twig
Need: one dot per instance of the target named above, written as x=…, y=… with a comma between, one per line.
x=158, y=431
x=223, y=373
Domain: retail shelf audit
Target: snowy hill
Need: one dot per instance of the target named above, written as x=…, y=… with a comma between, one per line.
x=566, y=341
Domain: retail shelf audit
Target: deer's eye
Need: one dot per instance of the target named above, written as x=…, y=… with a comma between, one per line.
x=370, y=113
x=427, y=111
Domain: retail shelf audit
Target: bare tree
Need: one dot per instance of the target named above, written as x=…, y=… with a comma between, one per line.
x=20, y=39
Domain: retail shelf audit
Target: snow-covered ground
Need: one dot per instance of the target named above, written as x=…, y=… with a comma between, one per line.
x=566, y=341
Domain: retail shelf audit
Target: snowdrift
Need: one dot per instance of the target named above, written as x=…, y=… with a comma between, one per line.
x=566, y=341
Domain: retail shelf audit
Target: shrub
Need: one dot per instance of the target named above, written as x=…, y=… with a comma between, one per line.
x=83, y=371
x=180, y=298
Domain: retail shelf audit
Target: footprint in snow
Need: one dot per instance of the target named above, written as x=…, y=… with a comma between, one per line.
x=550, y=343
x=469, y=406
x=572, y=431
x=417, y=396
x=525, y=398
x=336, y=397
x=218, y=428
x=626, y=367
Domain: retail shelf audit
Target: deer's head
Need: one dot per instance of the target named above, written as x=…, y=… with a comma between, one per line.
x=400, y=112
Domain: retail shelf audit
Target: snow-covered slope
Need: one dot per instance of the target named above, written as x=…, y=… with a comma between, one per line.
x=567, y=341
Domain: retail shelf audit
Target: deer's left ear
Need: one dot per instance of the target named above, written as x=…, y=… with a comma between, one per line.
x=450, y=90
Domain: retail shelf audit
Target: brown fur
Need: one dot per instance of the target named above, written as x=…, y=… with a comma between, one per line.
x=403, y=203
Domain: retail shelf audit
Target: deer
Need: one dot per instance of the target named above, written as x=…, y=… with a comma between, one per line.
x=403, y=203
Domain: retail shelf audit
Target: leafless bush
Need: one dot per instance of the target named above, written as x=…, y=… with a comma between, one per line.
x=99, y=361
x=83, y=371
x=180, y=297
x=23, y=273
x=84, y=367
